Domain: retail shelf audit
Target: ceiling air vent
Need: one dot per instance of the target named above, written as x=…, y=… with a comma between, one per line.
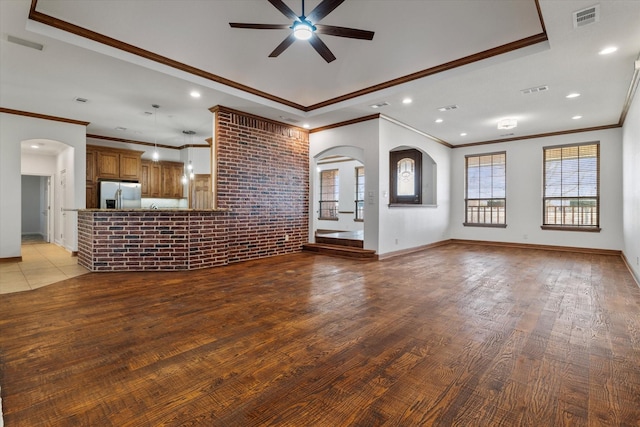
x=380, y=105
x=586, y=16
x=79, y=99
x=448, y=108
x=23, y=42
x=535, y=89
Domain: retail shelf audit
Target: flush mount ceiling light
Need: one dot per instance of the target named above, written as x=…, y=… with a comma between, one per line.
x=439, y=120
x=576, y=117
x=573, y=95
x=507, y=123
x=195, y=94
x=407, y=101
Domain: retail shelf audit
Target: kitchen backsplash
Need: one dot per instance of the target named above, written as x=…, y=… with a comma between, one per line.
x=150, y=203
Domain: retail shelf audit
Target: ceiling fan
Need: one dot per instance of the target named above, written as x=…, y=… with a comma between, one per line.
x=307, y=28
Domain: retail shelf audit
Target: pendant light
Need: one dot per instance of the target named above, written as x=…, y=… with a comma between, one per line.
x=155, y=156
x=190, y=164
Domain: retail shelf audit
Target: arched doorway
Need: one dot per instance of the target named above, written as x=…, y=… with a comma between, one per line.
x=338, y=196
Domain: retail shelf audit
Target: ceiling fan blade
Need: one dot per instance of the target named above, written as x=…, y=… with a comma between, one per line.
x=351, y=33
x=283, y=46
x=284, y=9
x=323, y=9
x=321, y=48
x=260, y=26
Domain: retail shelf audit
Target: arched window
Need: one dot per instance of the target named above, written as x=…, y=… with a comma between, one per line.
x=406, y=177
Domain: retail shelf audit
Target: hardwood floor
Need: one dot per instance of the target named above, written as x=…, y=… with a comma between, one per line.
x=453, y=336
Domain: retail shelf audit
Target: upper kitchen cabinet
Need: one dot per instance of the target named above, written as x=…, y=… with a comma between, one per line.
x=117, y=164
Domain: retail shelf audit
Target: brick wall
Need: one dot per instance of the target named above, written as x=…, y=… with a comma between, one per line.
x=151, y=240
x=263, y=177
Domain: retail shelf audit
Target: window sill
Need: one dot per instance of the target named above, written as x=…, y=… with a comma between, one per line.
x=473, y=224
x=410, y=205
x=328, y=219
x=589, y=229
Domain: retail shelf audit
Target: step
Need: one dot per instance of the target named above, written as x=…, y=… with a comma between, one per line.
x=341, y=251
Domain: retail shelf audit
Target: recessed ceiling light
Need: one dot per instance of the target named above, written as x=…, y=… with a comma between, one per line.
x=439, y=120
x=120, y=128
x=306, y=126
x=35, y=146
x=576, y=117
x=608, y=50
x=463, y=134
x=573, y=95
x=379, y=105
x=195, y=94
x=407, y=101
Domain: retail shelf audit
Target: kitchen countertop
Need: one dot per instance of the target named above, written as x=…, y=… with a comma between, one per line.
x=155, y=210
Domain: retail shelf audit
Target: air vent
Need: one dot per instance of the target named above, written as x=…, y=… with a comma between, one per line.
x=586, y=16
x=78, y=99
x=23, y=42
x=189, y=132
x=289, y=119
x=535, y=89
x=448, y=108
x=380, y=105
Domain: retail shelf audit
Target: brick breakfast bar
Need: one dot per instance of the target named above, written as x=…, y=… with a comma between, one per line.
x=154, y=239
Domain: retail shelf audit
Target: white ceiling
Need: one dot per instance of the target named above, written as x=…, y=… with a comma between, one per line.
x=411, y=36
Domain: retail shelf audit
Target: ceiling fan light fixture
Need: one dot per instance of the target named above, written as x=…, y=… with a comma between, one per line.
x=303, y=30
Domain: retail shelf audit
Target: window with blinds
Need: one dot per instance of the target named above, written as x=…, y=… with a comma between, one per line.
x=486, y=190
x=572, y=187
x=329, y=194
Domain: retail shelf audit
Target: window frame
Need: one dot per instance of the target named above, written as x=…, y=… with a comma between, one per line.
x=394, y=158
x=359, y=201
x=467, y=199
x=336, y=191
x=564, y=226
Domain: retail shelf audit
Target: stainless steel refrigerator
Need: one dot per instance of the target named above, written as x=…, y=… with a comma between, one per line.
x=119, y=195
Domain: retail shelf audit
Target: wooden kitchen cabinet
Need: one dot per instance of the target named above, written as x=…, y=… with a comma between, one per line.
x=111, y=163
x=162, y=179
x=172, y=180
x=151, y=179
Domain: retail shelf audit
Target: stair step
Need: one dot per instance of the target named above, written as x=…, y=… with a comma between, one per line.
x=341, y=251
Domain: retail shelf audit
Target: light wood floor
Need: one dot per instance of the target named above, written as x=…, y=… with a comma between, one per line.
x=42, y=264
x=453, y=336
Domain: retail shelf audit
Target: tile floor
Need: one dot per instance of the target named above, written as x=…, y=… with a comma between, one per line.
x=42, y=264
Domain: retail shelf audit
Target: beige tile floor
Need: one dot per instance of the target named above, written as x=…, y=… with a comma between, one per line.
x=42, y=264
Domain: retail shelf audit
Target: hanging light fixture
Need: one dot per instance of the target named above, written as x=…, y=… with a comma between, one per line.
x=190, y=164
x=155, y=156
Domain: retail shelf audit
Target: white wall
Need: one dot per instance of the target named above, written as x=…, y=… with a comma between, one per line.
x=409, y=227
x=13, y=130
x=631, y=186
x=358, y=141
x=524, y=193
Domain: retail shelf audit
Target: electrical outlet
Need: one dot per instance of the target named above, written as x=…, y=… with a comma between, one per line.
x=286, y=237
